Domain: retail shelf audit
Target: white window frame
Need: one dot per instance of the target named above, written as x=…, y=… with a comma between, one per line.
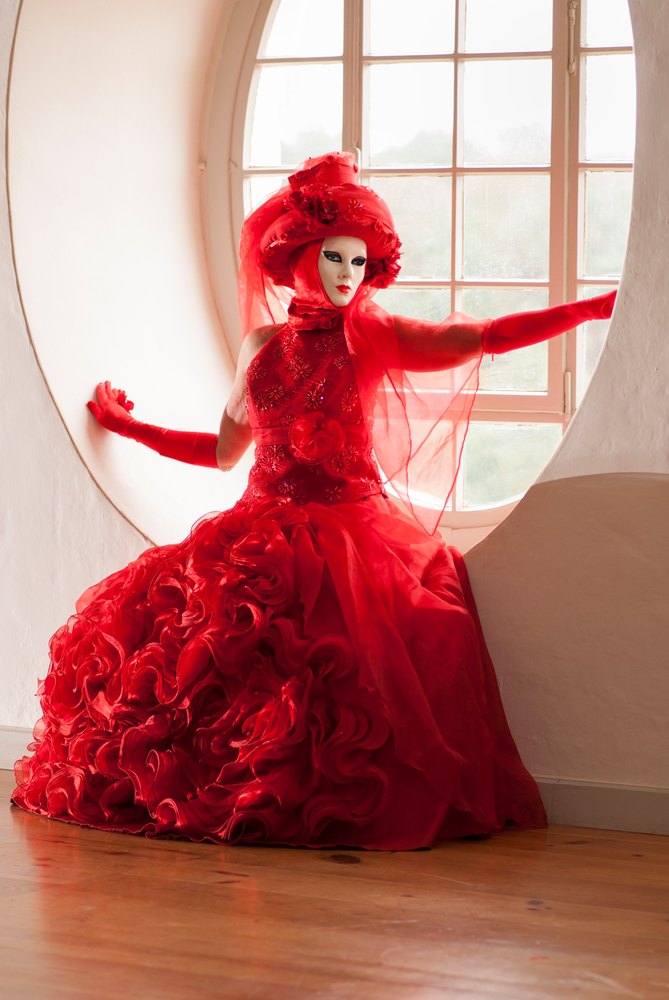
x=566, y=170
x=577, y=167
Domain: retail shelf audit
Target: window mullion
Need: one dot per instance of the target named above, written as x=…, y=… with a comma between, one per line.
x=456, y=182
x=352, y=116
x=558, y=350
x=575, y=201
x=559, y=156
x=515, y=169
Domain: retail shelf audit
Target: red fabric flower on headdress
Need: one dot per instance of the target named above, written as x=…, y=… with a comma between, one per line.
x=315, y=202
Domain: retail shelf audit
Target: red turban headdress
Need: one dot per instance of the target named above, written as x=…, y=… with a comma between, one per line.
x=323, y=198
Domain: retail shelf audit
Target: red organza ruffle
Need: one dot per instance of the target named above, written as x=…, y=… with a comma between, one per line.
x=299, y=675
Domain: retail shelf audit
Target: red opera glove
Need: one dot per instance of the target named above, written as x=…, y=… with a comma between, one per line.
x=522, y=329
x=112, y=410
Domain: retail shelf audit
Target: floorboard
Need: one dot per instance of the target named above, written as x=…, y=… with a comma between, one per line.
x=526, y=915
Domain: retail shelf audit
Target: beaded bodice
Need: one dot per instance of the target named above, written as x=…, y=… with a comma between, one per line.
x=307, y=420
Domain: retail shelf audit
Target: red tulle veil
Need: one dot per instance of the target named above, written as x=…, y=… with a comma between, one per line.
x=416, y=420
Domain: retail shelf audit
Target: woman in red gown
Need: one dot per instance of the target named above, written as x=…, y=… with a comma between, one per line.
x=307, y=668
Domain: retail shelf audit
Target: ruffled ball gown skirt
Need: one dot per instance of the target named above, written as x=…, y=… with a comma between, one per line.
x=295, y=674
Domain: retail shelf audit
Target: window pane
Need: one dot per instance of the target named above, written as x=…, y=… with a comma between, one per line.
x=525, y=370
x=502, y=460
x=590, y=339
x=507, y=111
x=421, y=208
x=610, y=108
x=415, y=125
x=607, y=22
x=493, y=26
x=506, y=226
x=257, y=189
x=422, y=303
x=590, y=344
x=298, y=111
x=305, y=28
x=608, y=199
x=429, y=30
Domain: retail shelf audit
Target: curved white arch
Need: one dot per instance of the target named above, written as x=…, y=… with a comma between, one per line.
x=104, y=180
x=107, y=196
x=616, y=427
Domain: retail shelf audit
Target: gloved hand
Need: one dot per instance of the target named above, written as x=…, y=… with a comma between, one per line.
x=112, y=410
x=507, y=333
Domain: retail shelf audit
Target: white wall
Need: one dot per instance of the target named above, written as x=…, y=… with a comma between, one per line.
x=57, y=530
x=110, y=254
x=104, y=180
x=573, y=588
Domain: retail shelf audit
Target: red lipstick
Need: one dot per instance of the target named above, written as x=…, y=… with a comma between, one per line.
x=343, y=288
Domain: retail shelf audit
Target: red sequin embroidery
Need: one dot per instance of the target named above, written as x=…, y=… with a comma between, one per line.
x=349, y=399
x=314, y=398
x=299, y=369
x=327, y=344
x=267, y=398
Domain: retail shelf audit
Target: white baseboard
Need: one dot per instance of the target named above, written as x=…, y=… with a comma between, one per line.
x=595, y=804
x=13, y=743
x=605, y=806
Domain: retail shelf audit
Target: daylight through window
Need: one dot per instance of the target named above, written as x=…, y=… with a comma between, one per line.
x=505, y=154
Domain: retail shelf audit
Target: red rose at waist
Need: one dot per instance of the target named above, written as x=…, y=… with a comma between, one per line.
x=314, y=438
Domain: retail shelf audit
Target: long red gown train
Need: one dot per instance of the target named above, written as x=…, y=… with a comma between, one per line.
x=306, y=668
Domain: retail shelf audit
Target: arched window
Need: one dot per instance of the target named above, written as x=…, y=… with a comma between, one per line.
x=502, y=138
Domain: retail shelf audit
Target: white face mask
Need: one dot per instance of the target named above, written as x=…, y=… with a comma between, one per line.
x=341, y=265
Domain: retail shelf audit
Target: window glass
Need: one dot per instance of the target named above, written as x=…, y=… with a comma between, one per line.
x=519, y=371
x=591, y=337
x=305, y=28
x=507, y=111
x=525, y=370
x=429, y=30
x=610, y=107
x=506, y=226
x=411, y=114
x=502, y=460
x=258, y=189
x=422, y=303
x=607, y=22
x=484, y=303
x=493, y=26
x=297, y=113
x=475, y=232
x=608, y=201
x=608, y=86
x=421, y=208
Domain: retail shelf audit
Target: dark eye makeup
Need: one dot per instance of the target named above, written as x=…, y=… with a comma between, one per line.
x=336, y=258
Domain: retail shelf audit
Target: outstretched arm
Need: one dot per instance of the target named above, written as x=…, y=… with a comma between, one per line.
x=428, y=346
x=522, y=329
x=112, y=410
x=222, y=450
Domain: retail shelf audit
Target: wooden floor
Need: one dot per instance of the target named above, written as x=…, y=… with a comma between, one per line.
x=550, y=914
